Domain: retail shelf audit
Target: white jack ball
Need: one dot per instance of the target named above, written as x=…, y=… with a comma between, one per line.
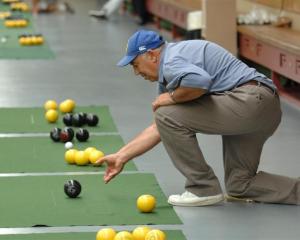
x=68, y=145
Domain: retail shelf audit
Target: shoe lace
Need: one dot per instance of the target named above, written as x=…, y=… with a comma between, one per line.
x=187, y=194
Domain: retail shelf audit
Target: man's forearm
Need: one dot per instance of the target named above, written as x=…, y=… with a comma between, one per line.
x=142, y=143
x=185, y=94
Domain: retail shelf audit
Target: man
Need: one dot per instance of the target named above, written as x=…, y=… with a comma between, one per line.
x=112, y=6
x=203, y=88
x=50, y=6
x=108, y=8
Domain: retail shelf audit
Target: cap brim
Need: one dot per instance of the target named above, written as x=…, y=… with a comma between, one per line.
x=125, y=61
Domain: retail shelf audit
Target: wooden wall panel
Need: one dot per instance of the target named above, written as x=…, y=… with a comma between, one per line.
x=273, y=3
x=292, y=5
x=288, y=5
x=195, y=4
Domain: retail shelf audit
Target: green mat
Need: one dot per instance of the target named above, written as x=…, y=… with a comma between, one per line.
x=39, y=200
x=11, y=49
x=171, y=235
x=26, y=15
x=41, y=154
x=32, y=120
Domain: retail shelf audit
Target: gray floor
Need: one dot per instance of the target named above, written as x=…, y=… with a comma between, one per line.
x=87, y=51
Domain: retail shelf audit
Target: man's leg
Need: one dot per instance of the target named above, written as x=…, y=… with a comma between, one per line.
x=141, y=10
x=242, y=112
x=212, y=114
x=108, y=8
x=35, y=6
x=182, y=146
x=242, y=153
x=111, y=6
x=241, y=159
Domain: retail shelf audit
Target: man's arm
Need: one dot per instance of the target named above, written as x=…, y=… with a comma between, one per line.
x=142, y=143
x=179, y=95
x=185, y=94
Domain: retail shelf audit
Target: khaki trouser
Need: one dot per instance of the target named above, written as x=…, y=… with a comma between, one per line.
x=245, y=117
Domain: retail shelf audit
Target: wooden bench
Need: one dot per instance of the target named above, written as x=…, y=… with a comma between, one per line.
x=278, y=49
x=185, y=14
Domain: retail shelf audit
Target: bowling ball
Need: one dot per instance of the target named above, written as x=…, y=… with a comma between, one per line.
x=68, y=119
x=83, y=116
x=95, y=155
x=89, y=150
x=78, y=120
x=50, y=104
x=72, y=188
x=92, y=120
x=51, y=115
x=40, y=39
x=106, y=234
x=156, y=234
x=66, y=135
x=140, y=232
x=55, y=134
x=123, y=235
x=66, y=106
x=81, y=158
x=70, y=156
x=71, y=103
x=82, y=135
x=146, y=203
x=22, y=40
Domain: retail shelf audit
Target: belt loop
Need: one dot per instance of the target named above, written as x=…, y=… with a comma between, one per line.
x=259, y=84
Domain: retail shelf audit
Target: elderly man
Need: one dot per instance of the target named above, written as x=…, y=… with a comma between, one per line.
x=205, y=89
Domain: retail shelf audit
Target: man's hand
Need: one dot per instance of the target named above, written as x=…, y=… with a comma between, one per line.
x=114, y=166
x=162, y=100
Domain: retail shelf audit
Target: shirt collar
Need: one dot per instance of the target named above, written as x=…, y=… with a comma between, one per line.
x=161, y=63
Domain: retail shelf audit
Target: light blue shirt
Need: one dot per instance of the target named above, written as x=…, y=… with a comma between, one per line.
x=203, y=64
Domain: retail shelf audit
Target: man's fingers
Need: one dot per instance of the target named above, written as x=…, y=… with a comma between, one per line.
x=106, y=179
x=154, y=106
x=100, y=161
x=108, y=176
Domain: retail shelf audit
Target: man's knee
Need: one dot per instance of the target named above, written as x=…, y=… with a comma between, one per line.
x=162, y=113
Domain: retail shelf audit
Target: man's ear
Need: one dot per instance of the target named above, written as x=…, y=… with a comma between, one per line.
x=152, y=56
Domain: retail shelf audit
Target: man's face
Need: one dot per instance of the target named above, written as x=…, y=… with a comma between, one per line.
x=146, y=65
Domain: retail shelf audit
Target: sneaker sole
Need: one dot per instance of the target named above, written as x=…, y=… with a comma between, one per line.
x=229, y=198
x=199, y=204
x=99, y=16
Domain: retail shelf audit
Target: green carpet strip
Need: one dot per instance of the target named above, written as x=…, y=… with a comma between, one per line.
x=41, y=154
x=32, y=120
x=171, y=235
x=40, y=201
x=9, y=44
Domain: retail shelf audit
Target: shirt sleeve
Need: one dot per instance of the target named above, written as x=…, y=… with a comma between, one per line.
x=187, y=75
x=161, y=88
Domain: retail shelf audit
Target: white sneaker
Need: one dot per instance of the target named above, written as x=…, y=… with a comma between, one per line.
x=189, y=199
x=98, y=14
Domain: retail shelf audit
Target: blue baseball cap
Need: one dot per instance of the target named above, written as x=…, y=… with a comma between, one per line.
x=140, y=42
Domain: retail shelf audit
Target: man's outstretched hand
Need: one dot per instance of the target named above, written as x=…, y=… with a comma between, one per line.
x=114, y=165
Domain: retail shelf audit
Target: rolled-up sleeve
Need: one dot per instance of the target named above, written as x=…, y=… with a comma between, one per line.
x=186, y=75
x=161, y=88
